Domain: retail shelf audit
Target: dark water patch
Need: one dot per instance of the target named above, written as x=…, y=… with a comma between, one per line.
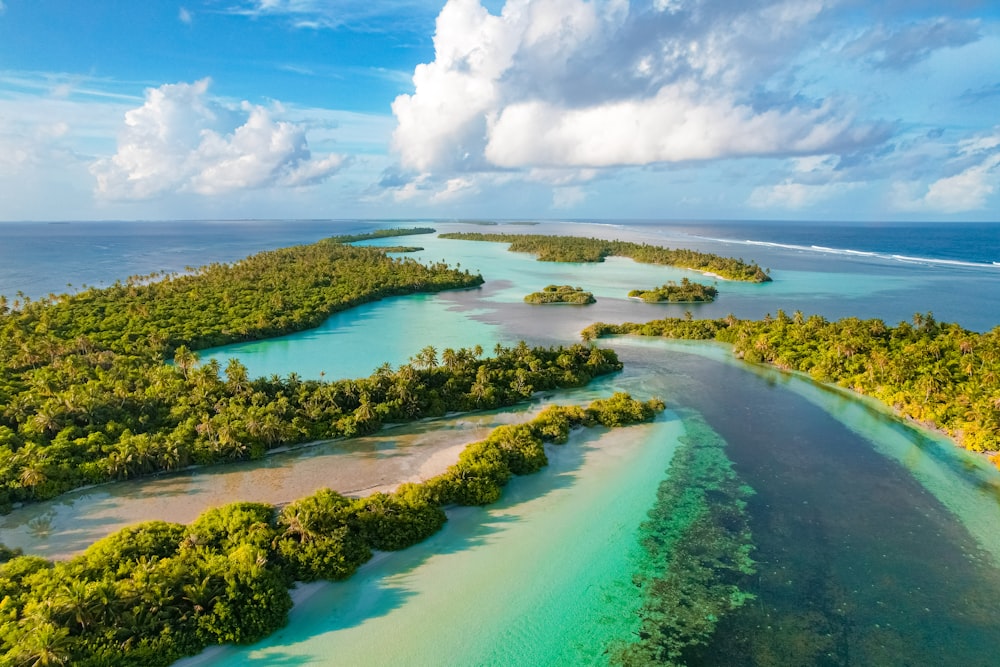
x=857, y=563
x=697, y=553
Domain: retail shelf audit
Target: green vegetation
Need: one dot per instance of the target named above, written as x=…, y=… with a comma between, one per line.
x=382, y=234
x=92, y=422
x=686, y=292
x=561, y=294
x=579, y=249
x=154, y=592
x=697, y=545
x=936, y=373
x=85, y=395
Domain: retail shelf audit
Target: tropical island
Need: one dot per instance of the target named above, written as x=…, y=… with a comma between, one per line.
x=580, y=249
x=561, y=294
x=685, y=292
x=157, y=591
x=937, y=374
x=88, y=396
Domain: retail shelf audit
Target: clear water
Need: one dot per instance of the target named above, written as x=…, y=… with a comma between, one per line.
x=345, y=347
x=876, y=543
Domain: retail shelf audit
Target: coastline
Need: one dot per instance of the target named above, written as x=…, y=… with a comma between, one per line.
x=65, y=526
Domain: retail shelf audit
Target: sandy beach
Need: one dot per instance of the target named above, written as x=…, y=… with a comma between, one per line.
x=64, y=527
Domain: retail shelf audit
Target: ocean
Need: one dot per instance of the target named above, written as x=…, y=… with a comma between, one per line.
x=875, y=542
x=951, y=269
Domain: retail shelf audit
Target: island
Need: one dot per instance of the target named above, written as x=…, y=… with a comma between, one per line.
x=937, y=374
x=157, y=591
x=685, y=292
x=580, y=249
x=90, y=396
x=561, y=294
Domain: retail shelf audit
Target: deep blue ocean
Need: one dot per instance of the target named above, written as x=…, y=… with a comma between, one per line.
x=959, y=243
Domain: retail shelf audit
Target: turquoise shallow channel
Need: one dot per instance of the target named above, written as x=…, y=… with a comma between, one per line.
x=542, y=577
x=857, y=563
x=873, y=542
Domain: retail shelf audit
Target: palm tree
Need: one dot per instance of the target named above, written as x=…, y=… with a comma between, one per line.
x=43, y=646
x=237, y=377
x=185, y=360
x=427, y=358
x=73, y=601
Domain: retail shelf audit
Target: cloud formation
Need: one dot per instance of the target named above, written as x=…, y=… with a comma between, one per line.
x=182, y=140
x=975, y=178
x=898, y=49
x=359, y=15
x=570, y=84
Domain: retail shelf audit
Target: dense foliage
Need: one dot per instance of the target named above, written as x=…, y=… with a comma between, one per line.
x=382, y=234
x=685, y=292
x=85, y=395
x=96, y=418
x=561, y=294
x=933, y=372
x=580, y=249
x=154, y=592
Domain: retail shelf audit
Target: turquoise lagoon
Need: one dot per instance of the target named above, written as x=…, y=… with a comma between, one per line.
x=875, y=542
x=858, y=561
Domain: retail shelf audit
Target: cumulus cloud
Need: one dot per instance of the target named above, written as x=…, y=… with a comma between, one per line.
x=814, y=179
x=183, y=140
x=796, y=196
x=571, y=84
x=905, y=46
x=975, y=180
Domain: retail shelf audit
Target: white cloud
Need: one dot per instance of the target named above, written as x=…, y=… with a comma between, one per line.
x=182, y=140
x=570, y=84
x=184, y=16
x=904, y=46
x=355, y=14
x=970, y=188
x=796, y=196
x=568, y=197
x=454, y=188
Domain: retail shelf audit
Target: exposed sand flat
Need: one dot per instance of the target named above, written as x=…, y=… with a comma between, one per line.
x=65, y=526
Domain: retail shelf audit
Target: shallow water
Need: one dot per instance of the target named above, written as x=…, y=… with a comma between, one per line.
x=354, y=343
x=63, y=527
x=858, y=562
x=876, y=542
x=541, y=577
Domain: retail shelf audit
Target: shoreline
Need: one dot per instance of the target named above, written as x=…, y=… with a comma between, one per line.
x=64, y=527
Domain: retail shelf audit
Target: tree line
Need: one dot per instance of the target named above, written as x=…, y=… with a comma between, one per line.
x=156, y=591
x=685, y=292
x=86, y=395
x=99, y=419
x=561, y=294
x=935, y=373
x=581, y=249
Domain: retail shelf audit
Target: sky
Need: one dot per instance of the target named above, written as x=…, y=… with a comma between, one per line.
x=564, y=109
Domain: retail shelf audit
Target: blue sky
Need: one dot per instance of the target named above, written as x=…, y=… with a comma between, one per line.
x=668, y=109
